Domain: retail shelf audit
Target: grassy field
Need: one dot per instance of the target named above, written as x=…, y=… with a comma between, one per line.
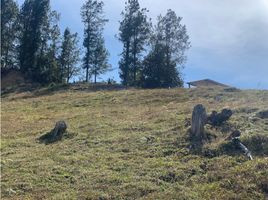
x=130, y=144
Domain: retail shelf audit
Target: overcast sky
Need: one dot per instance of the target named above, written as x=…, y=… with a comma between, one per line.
x=229, y=38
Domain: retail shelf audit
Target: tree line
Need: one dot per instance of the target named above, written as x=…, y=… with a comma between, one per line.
x=152, y=55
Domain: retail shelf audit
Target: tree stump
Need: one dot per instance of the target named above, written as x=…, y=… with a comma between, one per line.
x=199, y=118
x=55, y=134
x=217, y=119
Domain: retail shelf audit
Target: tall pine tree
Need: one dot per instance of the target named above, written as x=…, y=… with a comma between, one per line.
x=51, y=68
x=39, y=41
x=163, y=65
x=33, y=16
x=100, y=63
x=9, y=31
x=69, y=56
x=133, y=33
x=96, y=55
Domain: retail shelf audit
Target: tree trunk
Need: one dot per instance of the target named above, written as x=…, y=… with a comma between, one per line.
x=87, y=74
x=199, y=118
x=68, y=72
x=134, y=59
x=127, y=64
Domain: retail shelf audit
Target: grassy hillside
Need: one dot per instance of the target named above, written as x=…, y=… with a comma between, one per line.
x=130, y=144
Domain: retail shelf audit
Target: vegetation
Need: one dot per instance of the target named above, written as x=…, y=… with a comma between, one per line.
x=130, y=144
x=95, y=60
x=9, y=29
x=69, y=56
x=31, y=42
x=37, y=41
x=133, y=33
x=163, y=64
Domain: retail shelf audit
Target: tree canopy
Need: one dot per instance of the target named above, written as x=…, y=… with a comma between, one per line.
x=152, y=56
x=95, y=60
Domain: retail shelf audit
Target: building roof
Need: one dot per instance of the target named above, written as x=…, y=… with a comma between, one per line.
x=206, y=83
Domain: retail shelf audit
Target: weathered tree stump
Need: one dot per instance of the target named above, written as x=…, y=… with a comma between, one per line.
x=199, y=119
x=217, y=119
x=55, y=134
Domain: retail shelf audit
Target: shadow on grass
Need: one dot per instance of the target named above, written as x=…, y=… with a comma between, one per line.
x=51, y=89
x=196, y=146
x=48, y=138
x=33, y=90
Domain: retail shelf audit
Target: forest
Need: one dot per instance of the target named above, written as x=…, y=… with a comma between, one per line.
x=153, y=55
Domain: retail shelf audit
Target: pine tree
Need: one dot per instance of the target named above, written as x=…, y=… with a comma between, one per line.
x=95, y=59
x=173, y=35
x=33, y=17
x=134, y=32
x=162, y=66
x=156, y=72
x=39, y=40
x=9, y=31
x=69, y=56
x=51, y=71
x=100, y=61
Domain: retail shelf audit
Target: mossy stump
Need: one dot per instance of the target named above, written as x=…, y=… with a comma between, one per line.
x=55, y=134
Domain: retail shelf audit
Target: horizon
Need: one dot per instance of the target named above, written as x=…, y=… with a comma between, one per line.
x=228, y=40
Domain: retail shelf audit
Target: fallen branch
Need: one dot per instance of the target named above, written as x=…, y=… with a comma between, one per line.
x=239, y=144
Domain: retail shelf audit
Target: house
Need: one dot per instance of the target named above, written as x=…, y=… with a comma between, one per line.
x=206, y=83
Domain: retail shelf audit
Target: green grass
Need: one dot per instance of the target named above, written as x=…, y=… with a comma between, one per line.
x=130, y=144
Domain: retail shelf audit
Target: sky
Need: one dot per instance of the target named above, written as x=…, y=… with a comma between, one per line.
x=229, y=38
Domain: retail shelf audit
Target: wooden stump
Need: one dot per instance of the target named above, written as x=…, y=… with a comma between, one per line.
x=55, y=134
x=199, y=118
x=217, y=119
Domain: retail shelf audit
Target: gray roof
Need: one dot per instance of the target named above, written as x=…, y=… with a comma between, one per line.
x=206, y=83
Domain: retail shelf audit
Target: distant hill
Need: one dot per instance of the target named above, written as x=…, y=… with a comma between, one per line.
x=130, y=144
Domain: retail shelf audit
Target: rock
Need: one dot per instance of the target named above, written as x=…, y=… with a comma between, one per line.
x=147, y=139
x=262, y=114
x=217, y=119
x=55, y=134
x=199, y=118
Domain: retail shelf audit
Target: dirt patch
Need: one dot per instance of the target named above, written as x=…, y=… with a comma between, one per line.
x=12, y=78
